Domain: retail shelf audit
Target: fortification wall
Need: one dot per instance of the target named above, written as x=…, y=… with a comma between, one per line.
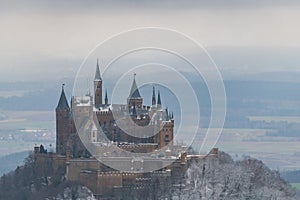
x=75, y=166
x=48, y=162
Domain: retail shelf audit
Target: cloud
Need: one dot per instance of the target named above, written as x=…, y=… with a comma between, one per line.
x=65, y=6
x=43, y=37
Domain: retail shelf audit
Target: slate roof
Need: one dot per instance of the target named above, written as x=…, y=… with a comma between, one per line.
x=134, y=92
x=62, y=103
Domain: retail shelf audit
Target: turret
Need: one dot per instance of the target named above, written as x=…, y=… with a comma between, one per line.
x=62, y=123
x=97, y=87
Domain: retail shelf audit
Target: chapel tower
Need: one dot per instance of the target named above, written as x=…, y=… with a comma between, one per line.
x=134, y=99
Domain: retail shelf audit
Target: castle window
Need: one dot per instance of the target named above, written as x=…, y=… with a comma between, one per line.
x=167, y=138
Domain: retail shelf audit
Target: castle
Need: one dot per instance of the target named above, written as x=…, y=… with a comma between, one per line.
x=114, y=133
x=153, y=126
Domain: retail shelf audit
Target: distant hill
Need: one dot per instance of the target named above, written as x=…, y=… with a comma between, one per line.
x=43, y=96
x=291, y=176
x=11, y=161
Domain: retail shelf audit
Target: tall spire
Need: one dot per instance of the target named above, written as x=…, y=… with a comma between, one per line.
x=98, y=74
x=167, y=114
x=134, y=92
x=153, y=97
x=106, y=99
x=62, y=103
x=97, y=87
x=158, y=99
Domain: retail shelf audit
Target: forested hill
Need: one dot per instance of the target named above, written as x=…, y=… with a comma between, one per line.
x=211, y=178
x=224, y=178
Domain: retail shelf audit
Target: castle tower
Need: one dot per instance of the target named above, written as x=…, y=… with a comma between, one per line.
x=153, y=97
x=164, y=130
x=97, y=87
x=134, y=97
x=62, y=123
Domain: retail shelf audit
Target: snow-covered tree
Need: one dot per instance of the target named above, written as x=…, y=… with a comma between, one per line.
x=223, y=179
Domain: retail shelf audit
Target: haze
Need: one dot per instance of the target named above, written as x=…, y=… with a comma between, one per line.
x=49, y=39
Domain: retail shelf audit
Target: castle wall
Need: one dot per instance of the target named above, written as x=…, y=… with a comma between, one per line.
x=107, y=181
x=75, y=167
x=48, y=162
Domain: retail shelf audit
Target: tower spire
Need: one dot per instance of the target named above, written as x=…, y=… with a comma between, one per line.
x=158, y=99
x=97, y=74
x=134, y=92
x=134, y=97
x=106, y=98
x=97, y=86
x=153, y=97
x=167, y=114
x=62, y=103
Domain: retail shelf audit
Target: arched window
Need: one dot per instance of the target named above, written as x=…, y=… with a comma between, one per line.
x=167, y=139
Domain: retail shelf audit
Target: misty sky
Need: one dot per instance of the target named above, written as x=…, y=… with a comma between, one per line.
x=49, y=39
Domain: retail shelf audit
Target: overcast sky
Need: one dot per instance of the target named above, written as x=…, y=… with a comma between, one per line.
x=49, y=39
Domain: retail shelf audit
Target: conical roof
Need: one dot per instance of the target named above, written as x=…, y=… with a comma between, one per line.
x=153, y=97
x=62, y=103
x=97, y=74
x=134, y=92
x=106, y=94
x=158, y=99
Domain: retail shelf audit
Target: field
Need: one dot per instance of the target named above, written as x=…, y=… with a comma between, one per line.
x=296, y=186
x=277, y=152
x=20, y=131
x=289, y=119
x=27, y=119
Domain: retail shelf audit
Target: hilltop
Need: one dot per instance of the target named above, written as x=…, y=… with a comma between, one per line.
x=210, y=178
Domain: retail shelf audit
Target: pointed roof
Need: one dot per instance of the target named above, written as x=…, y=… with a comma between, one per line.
x=153, y=97
x=106, y=94
x=167, y=114
x=62, y=103
x=158, y=99
x=153, y=93
x=134, y=92
x=97, y=74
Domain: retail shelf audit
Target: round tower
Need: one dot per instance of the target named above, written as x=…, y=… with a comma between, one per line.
x=62, y=123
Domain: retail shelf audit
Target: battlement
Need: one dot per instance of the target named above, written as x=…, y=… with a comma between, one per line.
x=214, y=153
x=103, y=112
x=168, y=123
x=139, y=148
